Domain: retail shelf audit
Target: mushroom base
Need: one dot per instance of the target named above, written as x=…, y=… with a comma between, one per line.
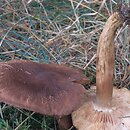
x=91, y=117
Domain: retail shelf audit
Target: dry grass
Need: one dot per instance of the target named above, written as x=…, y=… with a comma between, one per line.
x=57, y=31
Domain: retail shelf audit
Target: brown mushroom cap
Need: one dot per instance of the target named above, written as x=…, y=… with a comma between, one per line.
x=44, y=88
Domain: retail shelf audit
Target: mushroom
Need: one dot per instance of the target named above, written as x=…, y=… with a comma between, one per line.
x=102, y=111
x=48, y=89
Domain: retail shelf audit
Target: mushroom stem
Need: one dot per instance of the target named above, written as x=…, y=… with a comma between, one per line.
x=105, y=61
x=64, y=123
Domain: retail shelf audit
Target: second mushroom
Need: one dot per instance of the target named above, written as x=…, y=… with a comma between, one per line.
x=108, y=108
